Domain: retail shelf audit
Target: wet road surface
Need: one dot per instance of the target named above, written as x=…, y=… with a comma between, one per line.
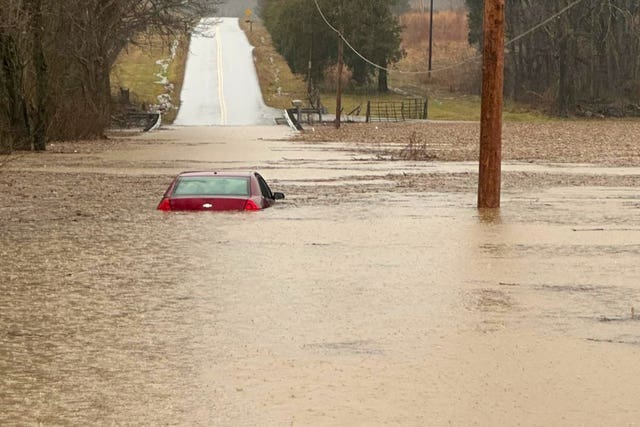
x=221, y=85
x=347, y=304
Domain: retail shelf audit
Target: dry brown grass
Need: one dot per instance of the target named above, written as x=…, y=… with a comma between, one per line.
x=450, y=48
x=279, y=85
x=448, y=26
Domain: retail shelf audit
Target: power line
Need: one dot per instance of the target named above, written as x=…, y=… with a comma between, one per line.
x=543, y=23
x=345, y=40
x=456, y=65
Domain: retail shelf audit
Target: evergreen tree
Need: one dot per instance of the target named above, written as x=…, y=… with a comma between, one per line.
x=474, y=14
x=302, y=36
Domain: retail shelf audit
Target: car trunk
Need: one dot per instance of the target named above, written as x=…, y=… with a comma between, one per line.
x=208, y=204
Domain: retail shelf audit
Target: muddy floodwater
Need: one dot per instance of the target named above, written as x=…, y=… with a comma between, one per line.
x=374, y=294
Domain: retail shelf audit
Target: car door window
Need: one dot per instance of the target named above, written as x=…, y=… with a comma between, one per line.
x=266, y=191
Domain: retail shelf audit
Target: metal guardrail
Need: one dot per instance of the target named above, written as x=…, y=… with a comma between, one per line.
x=138, y=119
x=294, y=116
x=292, y=121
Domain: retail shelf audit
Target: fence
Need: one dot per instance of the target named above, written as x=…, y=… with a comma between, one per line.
x=397, y=111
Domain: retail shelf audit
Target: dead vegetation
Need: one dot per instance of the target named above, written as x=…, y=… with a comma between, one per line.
x=450, y=48
x=448, y=25
x=416, y=150
x=600, y=142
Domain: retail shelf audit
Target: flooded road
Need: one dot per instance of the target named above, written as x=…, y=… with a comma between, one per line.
x=356, y=301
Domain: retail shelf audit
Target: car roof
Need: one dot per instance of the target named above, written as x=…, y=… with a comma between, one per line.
x=245, y=174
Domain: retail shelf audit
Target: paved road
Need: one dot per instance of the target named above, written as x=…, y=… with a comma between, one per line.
x=221, y=86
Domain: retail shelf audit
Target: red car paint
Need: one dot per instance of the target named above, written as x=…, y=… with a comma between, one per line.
x=218, y=191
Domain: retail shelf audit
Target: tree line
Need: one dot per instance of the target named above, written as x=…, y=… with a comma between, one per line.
x=585, y=60
x=310, y=46
x=56, y=57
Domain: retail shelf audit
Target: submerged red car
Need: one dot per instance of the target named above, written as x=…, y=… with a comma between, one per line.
x=218, y=191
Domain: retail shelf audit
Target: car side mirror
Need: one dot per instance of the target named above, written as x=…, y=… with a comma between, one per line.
x=278, y=196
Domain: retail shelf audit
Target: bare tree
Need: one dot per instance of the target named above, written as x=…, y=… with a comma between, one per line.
x=14, y=123
x=586, y=58
x=56, y=57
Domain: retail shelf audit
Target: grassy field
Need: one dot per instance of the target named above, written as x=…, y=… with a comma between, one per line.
x=447, y=107
x=442, y=105
x=137, y=70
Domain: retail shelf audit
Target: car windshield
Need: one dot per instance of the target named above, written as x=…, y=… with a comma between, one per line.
x=212, y=186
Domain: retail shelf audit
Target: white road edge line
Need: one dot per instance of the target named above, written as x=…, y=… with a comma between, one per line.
x=223, y=106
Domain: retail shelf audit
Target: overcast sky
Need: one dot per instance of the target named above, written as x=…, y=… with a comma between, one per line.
x=236, y=8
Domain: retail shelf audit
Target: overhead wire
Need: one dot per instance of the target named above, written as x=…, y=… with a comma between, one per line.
x=345, y=40
x=456, y=65
x=543, y=23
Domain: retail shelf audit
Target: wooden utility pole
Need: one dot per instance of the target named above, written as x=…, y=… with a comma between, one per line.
x=491, y=109
x=339, y=83
x=340, y=64
x=430, y=35
x=309, y=83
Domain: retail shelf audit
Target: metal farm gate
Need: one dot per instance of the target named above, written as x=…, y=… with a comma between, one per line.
x=396, y=111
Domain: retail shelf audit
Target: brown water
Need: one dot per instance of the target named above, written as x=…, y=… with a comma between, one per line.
x=336, y=307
